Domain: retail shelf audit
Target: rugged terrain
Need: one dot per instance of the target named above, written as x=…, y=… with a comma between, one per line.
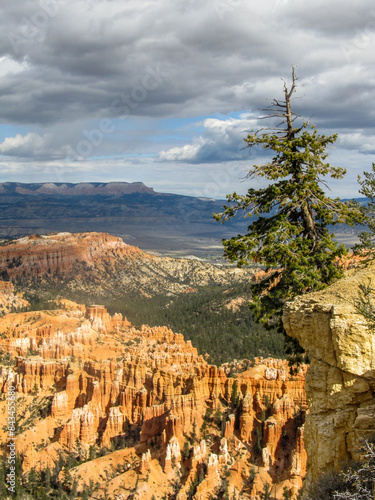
x=8, y=299
x=105, y=410
x=205, y=302
x=340, y=382
x=167, y=223
x=99, y=264
x=159, y=222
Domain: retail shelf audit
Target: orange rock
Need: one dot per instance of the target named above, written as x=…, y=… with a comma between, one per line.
x=60, y=252
x=229, y=426
x=146, y=462
x=108, y=380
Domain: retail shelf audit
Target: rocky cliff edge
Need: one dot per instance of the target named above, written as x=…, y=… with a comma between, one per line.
x=340, y=382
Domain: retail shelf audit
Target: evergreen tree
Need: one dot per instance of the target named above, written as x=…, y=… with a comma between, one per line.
x=286, y=494
x=85, y=495
x=46, y=475
x=3, y=474
x=365, y=304
x=186, y=450
x=193, y=436
x=235, y=398
x=218, y=417
x=367, y=183
x=266, y=493
x=290, y=234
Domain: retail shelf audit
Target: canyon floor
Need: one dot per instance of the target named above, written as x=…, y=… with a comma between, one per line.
x=105, y=410
x=206, y=302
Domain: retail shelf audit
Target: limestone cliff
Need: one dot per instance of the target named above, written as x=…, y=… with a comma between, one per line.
x=340, y=382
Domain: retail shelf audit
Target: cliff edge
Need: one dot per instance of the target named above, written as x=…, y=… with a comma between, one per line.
x=340, y=381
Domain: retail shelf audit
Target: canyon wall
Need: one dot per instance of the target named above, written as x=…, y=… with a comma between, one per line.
x=8, y=299
x=101, y=264
x=340, y=381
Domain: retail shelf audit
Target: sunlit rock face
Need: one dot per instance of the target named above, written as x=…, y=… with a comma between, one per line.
x=102, y=264
x=88, y=382
x=340, y=382
x=8, y=299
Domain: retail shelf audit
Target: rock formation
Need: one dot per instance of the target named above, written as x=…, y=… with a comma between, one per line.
x=99, y=263
x=146, y=400
x=340, y=382
x=8, y=299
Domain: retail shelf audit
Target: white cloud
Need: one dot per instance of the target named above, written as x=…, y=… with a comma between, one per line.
x=30, y=145
x=222, y=141
x=358, y=141
x=21, y=145
x=9, y=66
x=184, y=153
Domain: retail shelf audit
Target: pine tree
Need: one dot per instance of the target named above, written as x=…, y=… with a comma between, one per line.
x=290, y=234
x=3, y=474
x=47, y=478
x=266, y=493
x=193, y=436
x=367, y=183
x=218, y=417
x=185, y=450
x=286, y=494
x=235, y=397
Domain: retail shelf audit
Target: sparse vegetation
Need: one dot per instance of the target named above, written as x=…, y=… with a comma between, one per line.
x=355, y=482
x=367, y=183
x=365, y=304
x=28, y=485
x=28, y=415
x=6, y=359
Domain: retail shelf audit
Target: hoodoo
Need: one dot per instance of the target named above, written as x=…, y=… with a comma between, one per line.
x=95, y=392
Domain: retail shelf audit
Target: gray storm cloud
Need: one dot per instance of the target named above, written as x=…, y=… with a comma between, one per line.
x=65, y=66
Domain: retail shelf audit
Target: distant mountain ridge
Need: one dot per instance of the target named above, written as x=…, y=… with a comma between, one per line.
x=166, y=223
x=71, y=189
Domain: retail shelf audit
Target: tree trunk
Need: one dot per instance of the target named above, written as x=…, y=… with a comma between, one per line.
x=308, y=222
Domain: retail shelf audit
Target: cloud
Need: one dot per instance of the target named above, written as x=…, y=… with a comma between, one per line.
x=82, y=56
x=65, y=65
x=359, y=141
x=28, y=145
x=222, y=141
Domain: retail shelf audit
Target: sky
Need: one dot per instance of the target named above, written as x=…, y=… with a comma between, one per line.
x=165, y=91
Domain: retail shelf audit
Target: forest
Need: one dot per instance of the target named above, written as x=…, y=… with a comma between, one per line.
x=203, y=315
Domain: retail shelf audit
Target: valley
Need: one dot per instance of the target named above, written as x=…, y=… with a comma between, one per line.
x=107, y=410
x=140, y=375
x=207, y=303
x=161, y=223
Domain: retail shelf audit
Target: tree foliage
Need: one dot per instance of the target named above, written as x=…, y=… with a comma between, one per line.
x=289, y=233
x=204, y=318
x=367, y=183
x=365, y=304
